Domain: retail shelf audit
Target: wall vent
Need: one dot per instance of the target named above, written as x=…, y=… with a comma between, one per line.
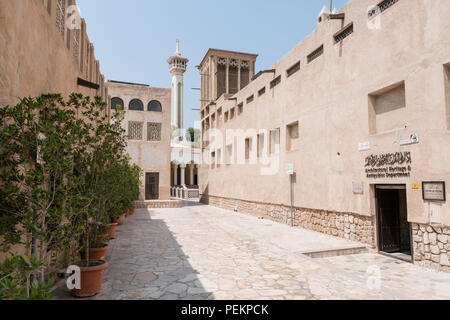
x=275, y=82
x=261, y=91
x=341, y=35
x=381, y=7
x=293, y=69
x=315, y=54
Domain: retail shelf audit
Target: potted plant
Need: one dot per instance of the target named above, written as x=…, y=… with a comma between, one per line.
x=91, y=168
x=37, y=148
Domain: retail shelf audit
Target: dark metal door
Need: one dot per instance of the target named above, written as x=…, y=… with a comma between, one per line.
x=151, y=186
x=389, y=220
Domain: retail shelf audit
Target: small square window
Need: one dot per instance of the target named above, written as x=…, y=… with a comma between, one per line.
x=293, y=69
x=261, y=92
x=292, y=136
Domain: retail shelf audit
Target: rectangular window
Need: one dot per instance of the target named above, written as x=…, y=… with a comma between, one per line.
x=275, y=82
x=245, y=73
x=293, y=69
x=154, y=131
x=250, y=99
x=213, y=160
x=226, y=116
x=261, y=145
x=221, y=79
x=135, y=130
x=219, y=158
x=381, y=7
x=233, y=74
x=387, y=109
x=240, y=108
x=292, y=136
x=49, y=7
x=275, y=141
x=315, y=54
x=344, y=33
x=219, y=117
x=248, y=148
x=232, y=113
x=229, y=155
x=261, y=92
x=213, y=120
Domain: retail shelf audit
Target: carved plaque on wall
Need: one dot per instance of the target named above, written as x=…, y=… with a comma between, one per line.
x=389, y=165
x=434, y=191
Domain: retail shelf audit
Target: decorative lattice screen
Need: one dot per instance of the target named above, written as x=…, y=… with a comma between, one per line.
x=154, y=131
x=61, y=16
x=135, y=130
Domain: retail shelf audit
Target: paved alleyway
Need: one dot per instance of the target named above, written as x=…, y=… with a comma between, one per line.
x=202, y=252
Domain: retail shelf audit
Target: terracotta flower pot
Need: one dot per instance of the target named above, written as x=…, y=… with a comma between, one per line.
x=127, y=214
x=98, y=254
x=103, y=239
x=91, y=279
x=121, y=220
x=112, y=230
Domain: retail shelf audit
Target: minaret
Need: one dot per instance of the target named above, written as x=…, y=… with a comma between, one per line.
x=178, y=66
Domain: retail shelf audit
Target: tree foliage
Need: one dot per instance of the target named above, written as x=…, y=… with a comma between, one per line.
x=64, y=175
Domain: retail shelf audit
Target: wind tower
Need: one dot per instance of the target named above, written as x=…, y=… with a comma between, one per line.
x=177, y=66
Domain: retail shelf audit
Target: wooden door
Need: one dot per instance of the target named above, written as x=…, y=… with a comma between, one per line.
x=152, y=186
x=389, y=220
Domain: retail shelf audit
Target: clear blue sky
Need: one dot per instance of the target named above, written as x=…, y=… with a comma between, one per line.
x=134, y=38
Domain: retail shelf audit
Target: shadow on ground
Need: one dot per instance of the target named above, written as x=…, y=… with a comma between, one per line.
x=146, y=263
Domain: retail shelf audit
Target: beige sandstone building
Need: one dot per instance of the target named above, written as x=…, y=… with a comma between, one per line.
x=154, y=125
x=147, y=123
x=359, y=112
x=41, y=53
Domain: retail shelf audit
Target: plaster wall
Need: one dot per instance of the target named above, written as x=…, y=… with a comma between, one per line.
x=35, y=58
x=330, y=97
x=152, y=157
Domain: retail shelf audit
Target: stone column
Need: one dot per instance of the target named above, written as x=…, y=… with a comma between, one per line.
x=191, y=174
x=175, y=175
x=182, y=174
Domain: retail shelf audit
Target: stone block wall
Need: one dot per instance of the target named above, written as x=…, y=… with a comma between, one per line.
x=432, y=247
x=349, y=226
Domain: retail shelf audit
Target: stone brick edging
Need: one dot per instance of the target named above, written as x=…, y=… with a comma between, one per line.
x=432, y=247
x=157, y=204
x=349, y=226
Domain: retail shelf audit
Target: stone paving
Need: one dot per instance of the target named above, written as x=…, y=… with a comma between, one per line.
x=202, y=253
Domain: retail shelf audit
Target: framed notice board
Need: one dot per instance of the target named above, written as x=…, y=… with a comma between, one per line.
x=433, y=191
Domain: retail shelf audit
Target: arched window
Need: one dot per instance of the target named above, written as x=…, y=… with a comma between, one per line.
x=116, y=102
x=154, y=106
x=136, y=105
